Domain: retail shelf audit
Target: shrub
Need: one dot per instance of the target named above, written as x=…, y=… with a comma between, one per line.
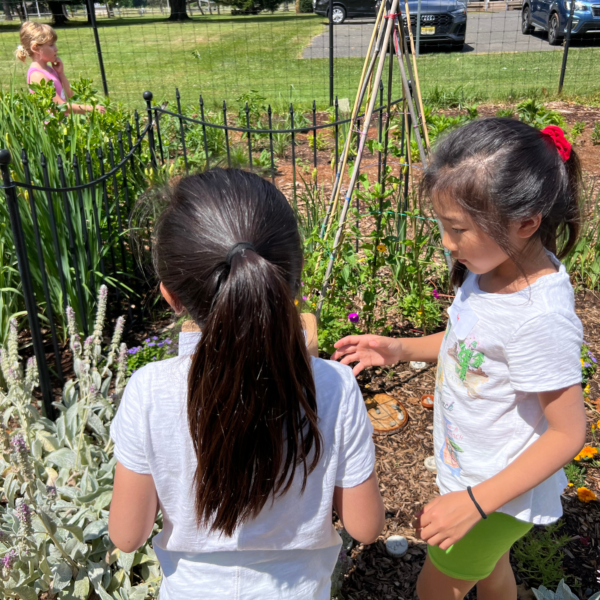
x=305, y=6
x=57, y=479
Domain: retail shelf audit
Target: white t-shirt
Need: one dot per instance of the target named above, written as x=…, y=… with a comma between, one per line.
x=287, y=552
x=499, y=351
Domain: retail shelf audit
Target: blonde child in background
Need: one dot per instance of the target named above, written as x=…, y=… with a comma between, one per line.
x=38, y=42
x=509, y=411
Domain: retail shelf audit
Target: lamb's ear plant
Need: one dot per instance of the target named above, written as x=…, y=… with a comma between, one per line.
x=563, y=592
x=56, y=478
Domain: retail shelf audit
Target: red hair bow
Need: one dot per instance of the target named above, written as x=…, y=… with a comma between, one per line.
x=559, y=140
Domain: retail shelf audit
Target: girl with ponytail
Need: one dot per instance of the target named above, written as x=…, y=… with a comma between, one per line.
x=509, y=411
x=244, y=442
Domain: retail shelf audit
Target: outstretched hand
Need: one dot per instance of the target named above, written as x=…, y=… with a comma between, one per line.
x=446, y=519
x=368, y=351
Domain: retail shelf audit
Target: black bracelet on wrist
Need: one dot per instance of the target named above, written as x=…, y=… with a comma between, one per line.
x=483, y=515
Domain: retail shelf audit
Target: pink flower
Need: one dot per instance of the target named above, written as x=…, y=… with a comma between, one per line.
x=435, y=293
x=353, y=317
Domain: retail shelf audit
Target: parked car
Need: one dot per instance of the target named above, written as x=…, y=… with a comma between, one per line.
x=552, y=16
x=442, y=21
x=345, y=9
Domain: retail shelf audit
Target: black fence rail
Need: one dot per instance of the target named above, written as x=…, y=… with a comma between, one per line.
x=73, y=236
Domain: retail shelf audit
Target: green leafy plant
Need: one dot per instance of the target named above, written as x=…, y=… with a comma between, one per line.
x=589, y=364
x=576, y=131
x=321, y=142
x=563, y=592
x=596, y=134
x=57, y=478
x=539, y=555
x=575, y=474
x=151, y=350
x=532, y=112
x=506, y=112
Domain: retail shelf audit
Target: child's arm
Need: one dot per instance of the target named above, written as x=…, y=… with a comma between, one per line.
x=361, y=510
x=133, y=509
x=375, y=350
x=448, y=518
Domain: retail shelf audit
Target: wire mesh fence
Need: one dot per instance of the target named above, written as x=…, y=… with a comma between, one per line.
x=489, y=53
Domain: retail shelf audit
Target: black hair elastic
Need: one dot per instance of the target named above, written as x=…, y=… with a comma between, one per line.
x=239, y=247
x=483, y=515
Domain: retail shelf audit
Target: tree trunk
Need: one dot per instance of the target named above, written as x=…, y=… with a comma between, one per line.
x=58, y=15
x=178, y=10
x=7, y=12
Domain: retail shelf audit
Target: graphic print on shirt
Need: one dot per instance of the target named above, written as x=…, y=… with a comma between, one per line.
x=449, y=452
x=467, y=362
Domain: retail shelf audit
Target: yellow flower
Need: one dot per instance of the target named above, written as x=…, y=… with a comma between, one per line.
x=587, y=389
x=598, y=424
x=296, y=302
x=419, y=312
x=570, y=484
x=587, y=452
x=582, y=363
x=381, y=248
x=586, y=495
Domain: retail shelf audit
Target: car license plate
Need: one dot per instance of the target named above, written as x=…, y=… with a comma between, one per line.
x=427, y=30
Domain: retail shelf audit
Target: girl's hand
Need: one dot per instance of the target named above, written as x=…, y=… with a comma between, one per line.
x=447, y=519
x=368, y=351
x=59, y=67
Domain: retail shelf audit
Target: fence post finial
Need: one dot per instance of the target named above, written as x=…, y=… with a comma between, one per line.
x=148, y=98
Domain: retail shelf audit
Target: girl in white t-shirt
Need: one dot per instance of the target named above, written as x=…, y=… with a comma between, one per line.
x=243, y=442
x=509, y=411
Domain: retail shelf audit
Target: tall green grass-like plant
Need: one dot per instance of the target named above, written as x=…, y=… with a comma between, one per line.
x=34, y=124
x=583, y=262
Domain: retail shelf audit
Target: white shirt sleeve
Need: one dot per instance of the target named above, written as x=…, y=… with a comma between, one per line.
x=357, y=451
x=128, y=429
x=544, y=354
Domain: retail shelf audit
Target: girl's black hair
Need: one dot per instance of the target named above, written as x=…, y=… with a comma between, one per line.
x=501, y=170
x=252, y=408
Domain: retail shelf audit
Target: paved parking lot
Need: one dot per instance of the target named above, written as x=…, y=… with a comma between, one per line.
x=486, y=32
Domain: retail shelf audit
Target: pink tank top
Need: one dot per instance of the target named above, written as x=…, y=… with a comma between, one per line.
x=49, y=74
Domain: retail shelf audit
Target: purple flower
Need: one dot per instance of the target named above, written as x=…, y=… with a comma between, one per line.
x=51, y=491
x=23, y=512
x=435, y=293
x=147, y=341
x=9, y=560
x=160, y=344
x=18, y=443
x=167, y=341
x=154, y=338
x=150, y=344
x=353, y=317
x=132, y=351
x=587, y=365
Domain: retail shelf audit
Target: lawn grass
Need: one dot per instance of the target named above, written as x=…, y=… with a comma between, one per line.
x=223, y=57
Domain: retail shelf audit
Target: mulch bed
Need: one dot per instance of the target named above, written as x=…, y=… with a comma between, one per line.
x=406, y=486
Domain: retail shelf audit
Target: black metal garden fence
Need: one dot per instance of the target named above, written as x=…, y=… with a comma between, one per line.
x=72, y=237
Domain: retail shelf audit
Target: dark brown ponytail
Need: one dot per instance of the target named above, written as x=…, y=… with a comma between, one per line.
x=252, y=408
